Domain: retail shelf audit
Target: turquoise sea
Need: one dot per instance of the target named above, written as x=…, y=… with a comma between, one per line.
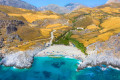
x=47, y=68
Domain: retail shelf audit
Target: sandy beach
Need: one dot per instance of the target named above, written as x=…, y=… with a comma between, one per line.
x=63, y=50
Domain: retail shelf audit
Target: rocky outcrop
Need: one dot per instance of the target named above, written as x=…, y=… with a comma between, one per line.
x=5, y=23
x=10, y=25
x=11, y=28
x=3, y=15
x=46, y=22
x=103, y=53
x=1, y=42
x=14, y=37
x=100, y=59
x=20, y=59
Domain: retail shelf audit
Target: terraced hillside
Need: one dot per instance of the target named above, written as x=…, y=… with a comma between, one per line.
x=94, y=24
x=22, y=29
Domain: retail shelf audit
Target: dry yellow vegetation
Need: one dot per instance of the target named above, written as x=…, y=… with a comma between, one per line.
x=37, y=32
x=53, y=25
x=25, y=46
x=89, y=39
x=45, y=32
x=92, y=27
x=96, y=22
x=30, y=17
x=110, y=10
x=99, y=24
x=29, y=33
x=33, y=17
x=104, y=23
x=86, y=10
x=13, y=10
x=111, y=24
x=61, y=27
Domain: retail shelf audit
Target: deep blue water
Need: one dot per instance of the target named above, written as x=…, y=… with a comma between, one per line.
x=46, y=68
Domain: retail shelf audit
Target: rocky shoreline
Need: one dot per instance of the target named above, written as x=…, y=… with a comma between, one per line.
x=20, y=59
x=98, y=60
x=25, y=59
x=108, y=54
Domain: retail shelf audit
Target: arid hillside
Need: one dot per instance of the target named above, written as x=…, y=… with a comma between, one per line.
x=21, y=28
x=95, y=24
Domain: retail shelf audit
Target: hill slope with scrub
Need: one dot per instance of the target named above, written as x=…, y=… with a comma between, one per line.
x=21, y=29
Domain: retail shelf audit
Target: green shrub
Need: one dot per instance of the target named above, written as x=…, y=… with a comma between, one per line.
x=66, y=39
x=78, y=45
x=68, y=35
x=61, y=41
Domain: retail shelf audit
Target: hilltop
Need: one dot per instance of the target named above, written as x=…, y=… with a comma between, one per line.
x=62, y=10
x=52, y=7
x=18, y=4
x=55, y=8
x=74, y=6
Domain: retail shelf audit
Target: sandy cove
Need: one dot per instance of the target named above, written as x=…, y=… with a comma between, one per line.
x=24, y=59
x=108, y=54
x=63, y=50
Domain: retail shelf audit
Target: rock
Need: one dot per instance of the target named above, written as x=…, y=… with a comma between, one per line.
x=103, y=53
x=46, y=22
x=18, y=38
x=11, y=28
x=118, y=34
x=14, y=37
x=98, y=60
x=1, y=44
x=20, y=59
x=2, y=39
x=1, y=54
x=10, y=25
x=18, y=22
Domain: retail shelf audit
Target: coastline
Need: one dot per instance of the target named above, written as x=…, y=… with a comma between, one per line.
x=108, y=54
x=68, y=51
x=25, y=59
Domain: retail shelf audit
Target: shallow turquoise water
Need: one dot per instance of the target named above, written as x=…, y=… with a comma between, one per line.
x=46, y=68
